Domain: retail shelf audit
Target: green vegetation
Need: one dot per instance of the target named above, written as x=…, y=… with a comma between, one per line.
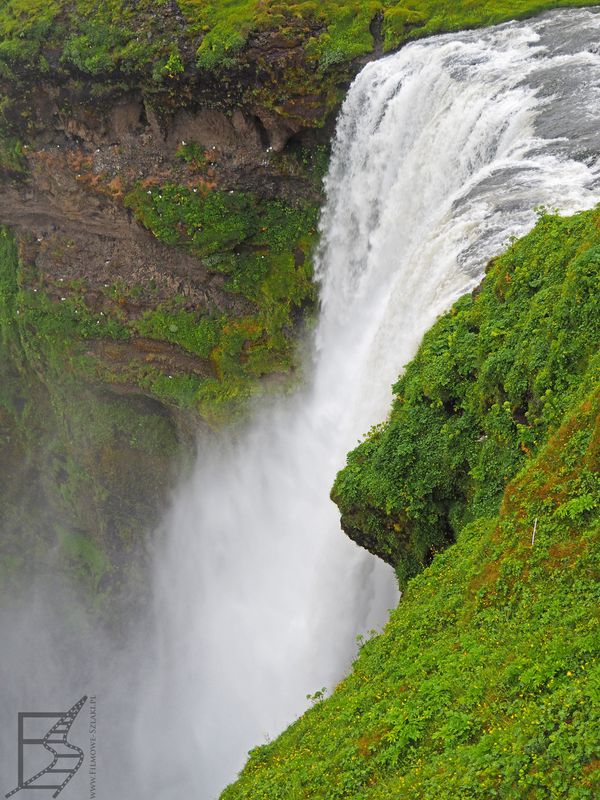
x=263, y=248
x=83, y=553
x=194, y=155
x=489, y=382
x=11, y=155
x=94, y=38
x=24, y=26
x=170, y=50
x=259, y=249
x=486, y=681
x=183, y=328
x=150, y=41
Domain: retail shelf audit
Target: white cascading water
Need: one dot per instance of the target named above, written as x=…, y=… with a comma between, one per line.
x=442, y=152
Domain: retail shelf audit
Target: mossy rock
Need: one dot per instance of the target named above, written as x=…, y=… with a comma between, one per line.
x=491, y=380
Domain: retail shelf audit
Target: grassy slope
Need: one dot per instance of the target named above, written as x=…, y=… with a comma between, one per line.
x=485, y=683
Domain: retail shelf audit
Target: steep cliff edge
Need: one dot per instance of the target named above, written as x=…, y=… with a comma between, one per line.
x=484, y=683
x=186, y=242
x=491, y=379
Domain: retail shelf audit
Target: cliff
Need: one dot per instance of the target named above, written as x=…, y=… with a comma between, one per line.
x=161, y=164
x=161, y=168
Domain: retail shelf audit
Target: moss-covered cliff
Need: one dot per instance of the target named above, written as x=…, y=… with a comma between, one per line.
x=485, y=682
x=160, y=165
x=492, y=378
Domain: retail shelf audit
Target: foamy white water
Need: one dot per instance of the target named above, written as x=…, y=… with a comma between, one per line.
x=442, y=152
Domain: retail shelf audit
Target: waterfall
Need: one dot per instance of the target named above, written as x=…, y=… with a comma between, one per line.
x=443, y=151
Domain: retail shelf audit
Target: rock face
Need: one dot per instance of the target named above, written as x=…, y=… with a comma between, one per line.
x=113, y=417
x=68, y=204
x=86, y=466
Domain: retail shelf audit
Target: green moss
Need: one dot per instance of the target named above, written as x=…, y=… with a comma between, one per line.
x=485, y=682
x=11, y=155
x=489, y=382
x=195, y=334
x=57, y=323
x=264, y=249
x=179, y=390
x=25, y=27
x=347, y=35
x=8, y=282
x=404, y=21
x=207, y=223
x=219, y=47
x=83, y=554
x=193, y=154
x=114, y=37
x=398, y=22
